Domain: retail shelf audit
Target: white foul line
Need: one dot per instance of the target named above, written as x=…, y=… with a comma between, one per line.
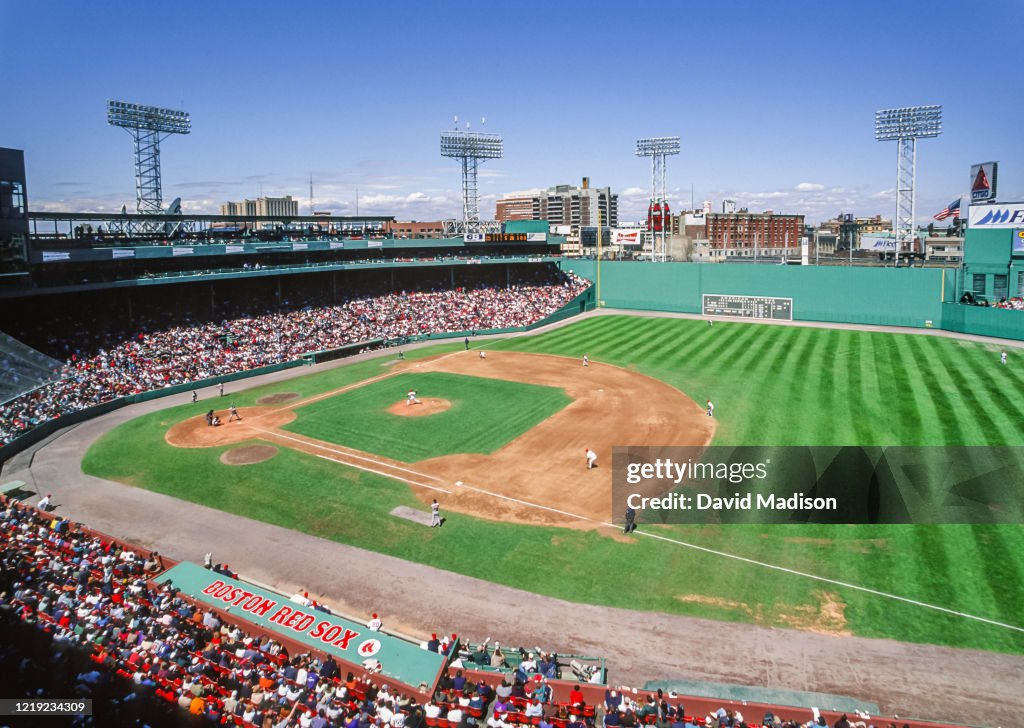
x=386, y=475
x=763, y=564
x=337, y=451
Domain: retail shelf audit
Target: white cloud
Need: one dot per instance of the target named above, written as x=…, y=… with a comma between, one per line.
x=809, y=187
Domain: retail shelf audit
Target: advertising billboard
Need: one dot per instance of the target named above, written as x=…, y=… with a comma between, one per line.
x=983, y=181
x=1009, y=215
x=879, y=243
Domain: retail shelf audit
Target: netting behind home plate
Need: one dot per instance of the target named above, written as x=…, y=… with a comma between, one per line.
x=22, y=368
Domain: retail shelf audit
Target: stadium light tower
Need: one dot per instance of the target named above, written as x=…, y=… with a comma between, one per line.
x=147, y=125
x=658, y=148
x=906, y=125
x=470, y=147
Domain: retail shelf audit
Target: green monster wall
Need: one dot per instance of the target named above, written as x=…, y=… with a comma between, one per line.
x=918, y=297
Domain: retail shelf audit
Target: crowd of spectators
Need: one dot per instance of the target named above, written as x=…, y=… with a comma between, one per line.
x=153, y=358
x=92, y=594
x=1015, y=304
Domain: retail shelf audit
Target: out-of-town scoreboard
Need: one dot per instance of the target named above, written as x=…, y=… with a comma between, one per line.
x=752, y=307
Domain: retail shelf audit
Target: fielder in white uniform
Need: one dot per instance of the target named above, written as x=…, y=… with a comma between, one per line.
x=591, y=459
x=586, y=361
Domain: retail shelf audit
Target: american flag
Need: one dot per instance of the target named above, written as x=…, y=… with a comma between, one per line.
x=951, y=210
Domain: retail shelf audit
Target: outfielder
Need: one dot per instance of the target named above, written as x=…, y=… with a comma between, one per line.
x=711, y=409
x=591, y=458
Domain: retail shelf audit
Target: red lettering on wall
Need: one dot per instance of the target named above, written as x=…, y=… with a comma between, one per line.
x=263, y=608
x=210, y=589
x=345, y=639
x=281, y=614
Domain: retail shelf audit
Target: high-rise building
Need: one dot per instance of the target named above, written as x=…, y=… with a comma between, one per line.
x=564, y=205
x=262, y=207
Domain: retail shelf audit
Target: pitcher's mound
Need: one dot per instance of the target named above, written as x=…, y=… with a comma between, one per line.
x=248, y=454
x=430, y=406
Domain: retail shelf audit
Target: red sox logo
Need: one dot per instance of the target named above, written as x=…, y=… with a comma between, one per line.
x=369, y=648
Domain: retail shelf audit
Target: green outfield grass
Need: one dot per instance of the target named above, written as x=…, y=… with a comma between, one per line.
x=771, y=385
x=485, y=414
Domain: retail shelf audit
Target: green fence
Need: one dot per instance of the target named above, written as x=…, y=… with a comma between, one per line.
x=984, y=321
x=883, y=296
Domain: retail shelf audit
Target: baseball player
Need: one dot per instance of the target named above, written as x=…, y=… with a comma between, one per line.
x=586, y=361
x=483, y=354
x=711, y=409
x=591, y=458
x=234, y=414
x=195, y=396
x=222, y=389
x=435, y=514
x=1002, y=358
x=44, y=503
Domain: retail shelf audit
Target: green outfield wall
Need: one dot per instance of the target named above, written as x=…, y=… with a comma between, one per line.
x=884, y=296
x=918, y=297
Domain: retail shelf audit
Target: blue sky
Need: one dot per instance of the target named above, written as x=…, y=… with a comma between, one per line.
x=774, y=102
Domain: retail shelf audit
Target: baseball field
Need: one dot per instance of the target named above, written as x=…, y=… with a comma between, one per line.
x=499, y=442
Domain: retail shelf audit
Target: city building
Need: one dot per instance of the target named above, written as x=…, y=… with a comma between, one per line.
x=564, y=205
x=743, y=231
x=412, y=229
x=13, y=211
x=514, y=208
x=848, y=228
x=262, y=207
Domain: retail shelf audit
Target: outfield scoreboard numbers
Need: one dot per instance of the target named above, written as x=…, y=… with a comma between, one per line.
x=752, y=307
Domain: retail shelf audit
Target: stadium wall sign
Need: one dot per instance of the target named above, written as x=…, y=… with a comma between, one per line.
x=400, y=660
x=877, y=242
x=1002, y=215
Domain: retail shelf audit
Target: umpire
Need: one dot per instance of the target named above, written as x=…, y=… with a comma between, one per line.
x=630, y=520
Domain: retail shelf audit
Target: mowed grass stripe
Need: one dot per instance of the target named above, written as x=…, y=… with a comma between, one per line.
x=777, y=407
x=978, y=421
x=941, y=410
x=992, y=388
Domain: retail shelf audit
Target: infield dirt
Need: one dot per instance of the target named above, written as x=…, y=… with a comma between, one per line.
x=538, y=478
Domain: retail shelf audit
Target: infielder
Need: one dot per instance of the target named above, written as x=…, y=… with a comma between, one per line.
x=591, y=458
x=483, y=354
x=586, y=361
x=411, y=398
x=711, y=409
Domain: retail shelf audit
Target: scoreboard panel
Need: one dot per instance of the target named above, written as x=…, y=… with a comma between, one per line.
x=752, y=307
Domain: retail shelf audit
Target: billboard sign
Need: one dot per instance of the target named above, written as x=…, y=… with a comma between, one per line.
x=473, y=238
x=626, y=237
x=997, y=216
x=878, y=243
x=983, y=181
x=1018, y=243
